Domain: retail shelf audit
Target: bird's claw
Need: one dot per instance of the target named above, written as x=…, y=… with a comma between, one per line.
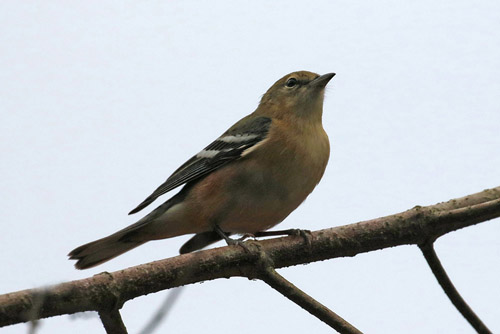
x=305, y=234
x=238, y=242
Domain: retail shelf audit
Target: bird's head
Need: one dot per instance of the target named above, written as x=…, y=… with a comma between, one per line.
x=299, y=92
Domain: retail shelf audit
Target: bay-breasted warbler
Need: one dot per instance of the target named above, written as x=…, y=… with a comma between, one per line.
x=246, y=181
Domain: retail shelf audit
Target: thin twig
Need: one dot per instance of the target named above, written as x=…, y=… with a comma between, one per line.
x=112, y=322
x=268, y=274
x=299, y=297
x=33, y=326
x=33, y=315
x=163, y=311
x=450, y=290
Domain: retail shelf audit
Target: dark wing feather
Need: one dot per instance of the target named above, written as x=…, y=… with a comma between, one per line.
x=228, y=147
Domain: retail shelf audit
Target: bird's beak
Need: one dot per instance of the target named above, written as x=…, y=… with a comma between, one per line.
x=322, y=80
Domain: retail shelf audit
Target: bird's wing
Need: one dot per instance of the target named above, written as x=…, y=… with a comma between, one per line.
x=229, y=147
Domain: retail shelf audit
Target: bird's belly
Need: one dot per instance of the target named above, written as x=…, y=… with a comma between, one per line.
x=255, y=199
x=253, y=215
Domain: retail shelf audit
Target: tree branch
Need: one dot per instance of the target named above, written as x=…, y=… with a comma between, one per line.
x=450, y=290
x=268, y=274
x=415, y=226
x=112, y=322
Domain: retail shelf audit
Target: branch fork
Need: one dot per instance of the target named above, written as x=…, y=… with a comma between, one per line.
x=107, y=292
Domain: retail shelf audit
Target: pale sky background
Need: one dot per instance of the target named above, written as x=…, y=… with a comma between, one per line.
x=101, y=100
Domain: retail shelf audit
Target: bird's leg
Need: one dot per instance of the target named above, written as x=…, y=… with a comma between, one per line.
x=305, y=234
x=231, y=242
x=224, y=235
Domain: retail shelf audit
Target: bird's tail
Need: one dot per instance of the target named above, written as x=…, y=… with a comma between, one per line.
x=199, y=241
x=102, y=250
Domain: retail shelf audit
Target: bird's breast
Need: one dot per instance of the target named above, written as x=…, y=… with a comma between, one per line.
x=266, y=187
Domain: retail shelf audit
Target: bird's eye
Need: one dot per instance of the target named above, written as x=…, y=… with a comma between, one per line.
x=291, y=82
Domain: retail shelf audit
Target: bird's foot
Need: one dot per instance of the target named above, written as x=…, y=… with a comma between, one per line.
x=233, y=242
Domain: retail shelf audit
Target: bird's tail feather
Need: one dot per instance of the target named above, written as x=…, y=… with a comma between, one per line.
x=199, y=241
x=102, y=250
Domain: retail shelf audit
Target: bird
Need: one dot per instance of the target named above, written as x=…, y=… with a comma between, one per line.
x=246, y=181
